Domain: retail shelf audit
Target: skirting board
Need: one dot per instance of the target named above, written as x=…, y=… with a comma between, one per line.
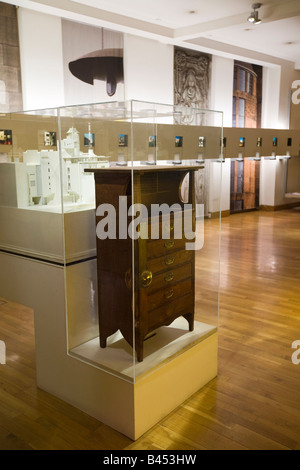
x=216, y=215
x=280, y=208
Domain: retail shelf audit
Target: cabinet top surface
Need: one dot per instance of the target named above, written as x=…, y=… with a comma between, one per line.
x=144, y=168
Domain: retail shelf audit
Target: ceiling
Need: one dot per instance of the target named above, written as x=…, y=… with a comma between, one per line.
x=198, y=24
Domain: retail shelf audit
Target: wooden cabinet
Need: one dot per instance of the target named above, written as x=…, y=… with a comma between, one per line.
x=145, y=283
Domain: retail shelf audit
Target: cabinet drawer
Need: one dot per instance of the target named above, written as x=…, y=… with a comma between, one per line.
x=167, y=313
x=157, y=248
x=170, y=277
x=170, y=261
x=171, y=224
x=168, y=294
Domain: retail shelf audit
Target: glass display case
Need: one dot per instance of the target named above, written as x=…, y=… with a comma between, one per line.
x=111, y=213
x=144, y=302
x=126, y=197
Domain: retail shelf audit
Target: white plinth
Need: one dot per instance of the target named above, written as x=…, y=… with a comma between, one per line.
x=162, y=346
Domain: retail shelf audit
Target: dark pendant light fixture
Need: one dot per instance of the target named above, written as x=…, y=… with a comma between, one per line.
x=105, y=65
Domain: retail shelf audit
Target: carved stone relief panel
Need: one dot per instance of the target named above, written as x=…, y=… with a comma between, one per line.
x=10, y=67
x=192, y=84
x=192, y=71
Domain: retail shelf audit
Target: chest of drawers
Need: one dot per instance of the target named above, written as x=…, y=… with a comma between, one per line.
x=146, y=282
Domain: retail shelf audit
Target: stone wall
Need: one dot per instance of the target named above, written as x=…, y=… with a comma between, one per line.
x=10, y=69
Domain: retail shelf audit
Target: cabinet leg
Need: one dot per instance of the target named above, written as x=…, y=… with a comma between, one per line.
x=190, y=319
x=103, y=342
x=140, y=350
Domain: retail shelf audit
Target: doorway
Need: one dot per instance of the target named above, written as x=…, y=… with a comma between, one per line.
x=244, y=190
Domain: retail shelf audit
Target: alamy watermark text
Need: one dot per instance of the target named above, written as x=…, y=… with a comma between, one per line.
x=296, y=93
x=135, y=222
x=2, y=353
x=296, y=354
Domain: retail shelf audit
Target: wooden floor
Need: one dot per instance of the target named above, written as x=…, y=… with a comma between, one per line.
x=255, y=401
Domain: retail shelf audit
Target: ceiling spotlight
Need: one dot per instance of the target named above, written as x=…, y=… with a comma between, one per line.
x=253, y=18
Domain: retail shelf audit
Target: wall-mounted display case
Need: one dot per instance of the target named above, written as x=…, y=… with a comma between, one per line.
x=114, y=199
x=261, y=143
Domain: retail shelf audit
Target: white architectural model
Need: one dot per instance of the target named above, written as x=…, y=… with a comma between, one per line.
x=36, y=181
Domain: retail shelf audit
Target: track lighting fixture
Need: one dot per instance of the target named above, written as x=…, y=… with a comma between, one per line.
x=253, y=18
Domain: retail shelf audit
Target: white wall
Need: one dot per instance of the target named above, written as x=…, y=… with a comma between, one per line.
x=287, y=179
x=287, y=76
x=273, y=181
x=277, y=83
x=222, y=87
x=267, y=182
x=270, y=93
x=219, y=173
x=41, y=60
x=148, y=70
x=148, y=64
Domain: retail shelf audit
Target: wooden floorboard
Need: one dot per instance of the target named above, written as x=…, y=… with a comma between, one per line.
x=254, y=403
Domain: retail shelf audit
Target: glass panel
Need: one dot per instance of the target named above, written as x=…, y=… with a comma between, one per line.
x=178, y=208
x=95, y=150
x=125, y=197
x=30, y=186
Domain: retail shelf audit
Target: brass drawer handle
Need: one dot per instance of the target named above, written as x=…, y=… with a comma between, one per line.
x=169, y=244
x=169, y=277
x=169, y=228
x=169, y=294
x=146, y=278
x=169, y=261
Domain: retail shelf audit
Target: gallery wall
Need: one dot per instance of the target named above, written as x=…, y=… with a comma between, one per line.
x=148, y=71
x=295, y=105
x=41, y=60
x=148, y=76
x=87, y=50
